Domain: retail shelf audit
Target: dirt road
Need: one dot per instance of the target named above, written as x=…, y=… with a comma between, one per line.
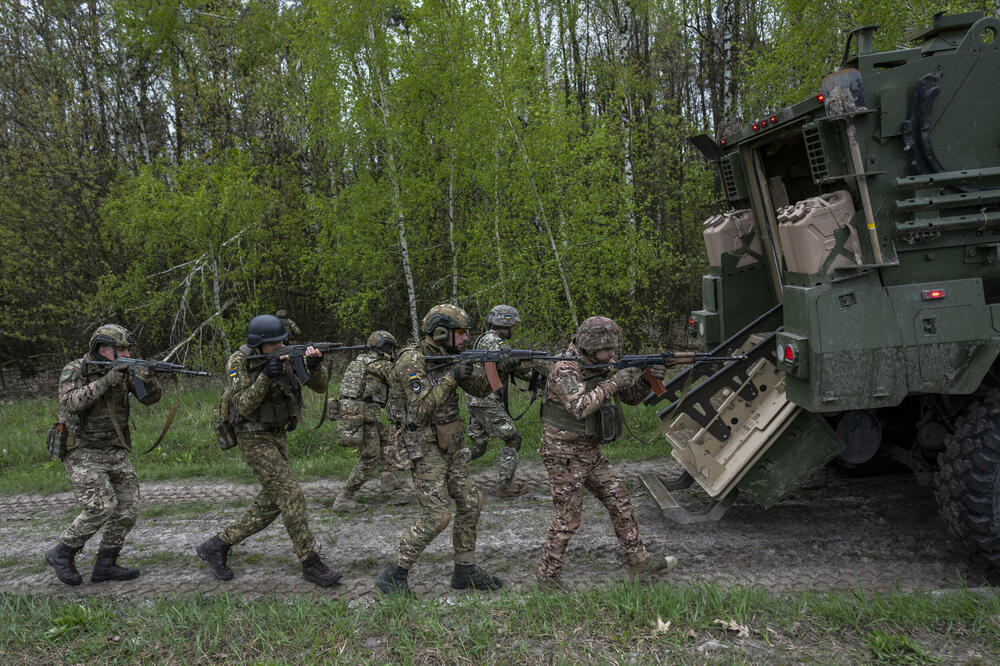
x=835, y=533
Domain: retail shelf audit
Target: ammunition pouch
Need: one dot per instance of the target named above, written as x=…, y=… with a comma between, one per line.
x=610, y=423
x=332, y=409
x=56, y=440
x=450, y=436
x=605, y=425
x=351, y=423
x=225, y=434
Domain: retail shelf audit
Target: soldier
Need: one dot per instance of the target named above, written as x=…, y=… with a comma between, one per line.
x=364, y=391
x=94, y=405
x=264, y=403
x=488, y=416
x=577, y=417
x=434, y=440
x=294, y=332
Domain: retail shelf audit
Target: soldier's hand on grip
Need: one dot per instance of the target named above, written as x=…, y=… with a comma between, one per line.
x=658, y=371
x=462, y=371
x=274, y=368
x=507, y=365
x=625, y=377
x=116, y=376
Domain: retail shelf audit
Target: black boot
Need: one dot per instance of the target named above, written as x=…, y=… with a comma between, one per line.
x=314, y=571
x=394, y=579
x=215, y=551
x=468, y=575
x=105, y=567
x=61, y=559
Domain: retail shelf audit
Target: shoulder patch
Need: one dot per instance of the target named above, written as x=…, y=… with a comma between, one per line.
x=67, y=374
x=416, y=385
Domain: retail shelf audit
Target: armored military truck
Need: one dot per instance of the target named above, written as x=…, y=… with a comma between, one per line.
x=857, y=266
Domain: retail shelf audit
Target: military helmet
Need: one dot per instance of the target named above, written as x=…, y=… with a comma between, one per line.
x=503, y=316
x=381, y=341
x=445, y=315
x=598, y=333
x=111, y=335
x=265, y=328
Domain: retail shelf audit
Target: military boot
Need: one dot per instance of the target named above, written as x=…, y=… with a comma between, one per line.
x=61, y=559
x=215, y=551
x=106, y=567
x=651, y=565
x=470, y=576
x=345, y=502
x=314, y=571
x=394, y=579
x=512, y=489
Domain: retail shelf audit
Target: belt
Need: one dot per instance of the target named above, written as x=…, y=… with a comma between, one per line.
x=260, y=427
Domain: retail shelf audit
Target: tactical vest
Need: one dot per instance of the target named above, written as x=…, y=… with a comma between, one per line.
x=556, y=415
x=363, y=390
x=95, y=425
x=279, y=408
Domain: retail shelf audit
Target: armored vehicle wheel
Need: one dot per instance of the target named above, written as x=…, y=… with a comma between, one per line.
x=968, y=478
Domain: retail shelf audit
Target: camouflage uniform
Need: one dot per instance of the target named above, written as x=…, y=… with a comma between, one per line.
x=435, y=436
x=369, y=392
x=294, y=332
x=104, y=481
x=266, y=408
x=574, y=460
x=488, y=418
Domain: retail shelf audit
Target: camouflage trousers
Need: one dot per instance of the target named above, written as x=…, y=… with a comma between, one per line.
x=438, y=476
x=105, y=484
x=267, y=456
x=571, y=468
x=493, y=421
x=371, y=463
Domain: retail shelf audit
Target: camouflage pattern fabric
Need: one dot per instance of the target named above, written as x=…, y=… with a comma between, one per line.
x=438, y=476
x=575, y=462
x=292, y=329
x=106, y=486
x=267, y=456
x=84, y=398
x=371, y=461
x=266, y=406
x=431, y=399
x=493, y=421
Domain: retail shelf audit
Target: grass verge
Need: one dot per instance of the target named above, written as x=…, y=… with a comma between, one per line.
x=190, y=449
x=625, y=622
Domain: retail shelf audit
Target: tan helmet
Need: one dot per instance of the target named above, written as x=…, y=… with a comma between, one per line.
x=503, y=316
x=382, y=341
x=111, y=335
x=598, y=333
x=442, y=317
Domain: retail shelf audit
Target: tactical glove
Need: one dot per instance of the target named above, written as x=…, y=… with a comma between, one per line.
x=658, y=371
x=507, y=365
x=274, y=368
x=313, y=362
x=625, y=377
x=461, y=371
x=115, y=376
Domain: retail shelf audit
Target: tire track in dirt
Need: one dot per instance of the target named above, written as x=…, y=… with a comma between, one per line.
x=836, y=533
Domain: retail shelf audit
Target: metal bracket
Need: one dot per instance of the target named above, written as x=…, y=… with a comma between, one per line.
x=676, y=513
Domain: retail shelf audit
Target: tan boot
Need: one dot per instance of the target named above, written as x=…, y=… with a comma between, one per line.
x=652, y=565
x=512, y=489
x=345, y=502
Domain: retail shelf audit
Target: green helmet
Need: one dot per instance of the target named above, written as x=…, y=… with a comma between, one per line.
x=111, y=335
x=382, y=341
x=503, y=316
x=598, y=333
x=445, y=315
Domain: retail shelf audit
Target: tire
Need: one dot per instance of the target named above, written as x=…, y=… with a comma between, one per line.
x=967, y=483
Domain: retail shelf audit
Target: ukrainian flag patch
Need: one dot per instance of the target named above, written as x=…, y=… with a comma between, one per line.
x=232, y=373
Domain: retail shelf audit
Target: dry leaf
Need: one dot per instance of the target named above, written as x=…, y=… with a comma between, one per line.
x=741, y=629
x=661, y=626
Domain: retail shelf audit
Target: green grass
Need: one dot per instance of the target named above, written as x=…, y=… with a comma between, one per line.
x=190, y=449
x=624, y=622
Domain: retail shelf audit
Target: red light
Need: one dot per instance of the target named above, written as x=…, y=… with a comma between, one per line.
x=691, y=322
x=774, y=119
x=755, y=127
x=789, y=354
x=763, y=123
x=722, y=142
x=933, y=294
x=820, y=98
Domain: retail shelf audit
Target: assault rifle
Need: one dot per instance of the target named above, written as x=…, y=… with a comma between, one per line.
x=297, y=355
x=645, y=361
x=134, y=364
x=489, y=358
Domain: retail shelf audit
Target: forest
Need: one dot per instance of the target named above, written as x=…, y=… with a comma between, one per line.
x=178, y=166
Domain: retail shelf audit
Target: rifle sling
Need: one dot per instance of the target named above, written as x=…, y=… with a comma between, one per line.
x=114, y=421
x=170, y=417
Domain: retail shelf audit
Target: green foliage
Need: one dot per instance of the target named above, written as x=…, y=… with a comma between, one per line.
x=892, y=649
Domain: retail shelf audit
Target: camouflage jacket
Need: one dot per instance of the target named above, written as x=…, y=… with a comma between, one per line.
x=85, y=397
x=583, y=392
x=431, y=395
x=366, y=380
x=262, y=403
x=492, y=341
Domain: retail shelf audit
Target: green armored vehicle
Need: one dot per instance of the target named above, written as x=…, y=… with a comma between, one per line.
x=858, y=268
